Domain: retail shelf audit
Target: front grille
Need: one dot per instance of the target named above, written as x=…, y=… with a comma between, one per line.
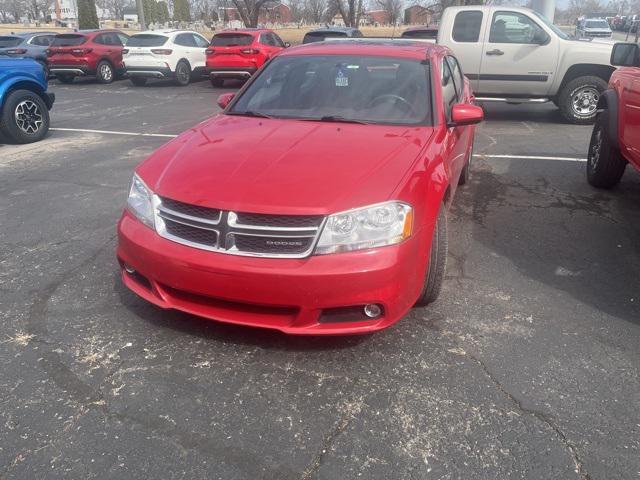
x=237, y=233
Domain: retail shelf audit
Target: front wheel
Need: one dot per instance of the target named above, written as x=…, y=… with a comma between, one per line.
x=25, y=117
x=437, y=262
x=183, y=74
x=578, y=99
x=605, y=164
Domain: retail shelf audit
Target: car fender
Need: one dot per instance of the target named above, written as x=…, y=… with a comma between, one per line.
x=608, y=108
x=21, y=81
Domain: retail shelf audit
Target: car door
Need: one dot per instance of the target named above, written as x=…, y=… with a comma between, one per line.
x=630, y=104
x=268, y=44
x=466, y=40
x=199, y=55
x=187, y=46
x=519, y=56
x=457, y=137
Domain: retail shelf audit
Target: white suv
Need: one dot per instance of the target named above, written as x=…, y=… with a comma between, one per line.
x=177, y=54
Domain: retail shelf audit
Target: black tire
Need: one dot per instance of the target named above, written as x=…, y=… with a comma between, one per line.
x=217, y=82
x=25, y=117
x=138, y=81
x=183, y=74
x=437, y=262
x=605, y=164
x=578, y=99
x=465, y=175
x=65, y=78
x=105, y=73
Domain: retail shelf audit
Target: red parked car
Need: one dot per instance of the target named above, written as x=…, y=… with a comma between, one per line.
x=87, y=53
x=615, y=141
x=239, y=53
x=316, y=202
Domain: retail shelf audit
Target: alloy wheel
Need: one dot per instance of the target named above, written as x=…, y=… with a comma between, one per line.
x=106, y=72
x=584, y=101
x=183, y=73
x=28, y=117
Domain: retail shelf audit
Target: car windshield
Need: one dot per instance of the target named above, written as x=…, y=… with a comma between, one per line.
x=68, y=40
x=344, y=88
x=146, y=40
x=552, y=26
x=596, y=24
x=9, y=41
x=320, y=36
x=231, y=40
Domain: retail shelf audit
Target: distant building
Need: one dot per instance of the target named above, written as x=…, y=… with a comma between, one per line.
x=377, y=17
x=418, y=15
x=130, y=14
x=279, y=13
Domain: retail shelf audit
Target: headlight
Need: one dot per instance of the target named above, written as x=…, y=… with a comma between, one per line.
x=374, y=226
x=140, y=201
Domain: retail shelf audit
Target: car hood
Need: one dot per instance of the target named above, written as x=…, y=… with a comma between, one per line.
x=284, y=166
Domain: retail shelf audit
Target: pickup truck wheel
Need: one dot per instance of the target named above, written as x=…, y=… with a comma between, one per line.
x=25, y=117
x=437, y=262
x=105, y=72
x=578, y=100
x=605, y=164
x=139, y=81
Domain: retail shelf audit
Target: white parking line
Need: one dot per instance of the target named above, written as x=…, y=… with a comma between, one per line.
x=532, y=157
x=112, y=132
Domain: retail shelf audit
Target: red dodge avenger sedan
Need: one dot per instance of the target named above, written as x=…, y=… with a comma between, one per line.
x=316, y=202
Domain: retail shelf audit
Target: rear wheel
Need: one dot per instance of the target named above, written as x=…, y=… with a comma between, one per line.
x=105, y=72
x=183, y=74
x=578, y=99
x=65, y=78
x=217, y=82
x=139, y=81
x=437, y=262
x=25, y=117
x=605, y=164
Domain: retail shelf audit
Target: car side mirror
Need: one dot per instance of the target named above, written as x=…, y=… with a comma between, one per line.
x=465, y=114
x=625, y=55
x=287, y=44
x=225, y=99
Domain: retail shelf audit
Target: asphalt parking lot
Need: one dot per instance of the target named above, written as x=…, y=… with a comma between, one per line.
x=526, y=367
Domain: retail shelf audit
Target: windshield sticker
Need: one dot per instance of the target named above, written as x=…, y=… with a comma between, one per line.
x=342, y=80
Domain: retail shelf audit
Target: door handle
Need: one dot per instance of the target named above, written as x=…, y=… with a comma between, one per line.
x=495, y=52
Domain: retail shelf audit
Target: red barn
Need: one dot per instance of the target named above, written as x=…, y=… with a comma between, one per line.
x=279, y=13
x=380, y=17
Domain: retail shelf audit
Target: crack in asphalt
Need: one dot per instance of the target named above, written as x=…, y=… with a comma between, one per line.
x=579, y=465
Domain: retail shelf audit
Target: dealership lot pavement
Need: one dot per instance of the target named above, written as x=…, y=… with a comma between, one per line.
x=527, y=366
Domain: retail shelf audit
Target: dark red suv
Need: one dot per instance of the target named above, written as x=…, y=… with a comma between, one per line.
x=87, y=53
x=238, y=54
x=615, y=140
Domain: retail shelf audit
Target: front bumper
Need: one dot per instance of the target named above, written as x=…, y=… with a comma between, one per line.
x=290, y=295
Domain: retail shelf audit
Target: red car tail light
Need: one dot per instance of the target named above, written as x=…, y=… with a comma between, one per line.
x=78, y=52
x=250, y=51
x=210, y=51
x=162, y=51
x=17, y=51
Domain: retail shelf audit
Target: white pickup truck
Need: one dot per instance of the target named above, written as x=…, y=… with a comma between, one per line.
x=516, y=55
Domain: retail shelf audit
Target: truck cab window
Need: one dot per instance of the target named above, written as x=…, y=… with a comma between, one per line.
x=466, y=26
x=513, y=27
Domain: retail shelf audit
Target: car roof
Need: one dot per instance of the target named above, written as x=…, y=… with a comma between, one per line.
x=166, y=32
x=26, y=34
x=401, y=48
x=246, y=31
x=334, y=29
x=91, y=33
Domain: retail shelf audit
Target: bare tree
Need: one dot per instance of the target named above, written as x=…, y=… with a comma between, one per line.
x=37, y=9
x=114, y=7
x=249, y=10
x=11, y=9
x=392, y=8
x=315, y=10
x=349, y=10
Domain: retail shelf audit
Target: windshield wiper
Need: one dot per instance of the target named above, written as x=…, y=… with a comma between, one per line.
x=338, y=118
x=250, y=113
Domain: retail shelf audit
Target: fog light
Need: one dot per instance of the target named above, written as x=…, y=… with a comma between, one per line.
x=129, y=270
x=372, y=310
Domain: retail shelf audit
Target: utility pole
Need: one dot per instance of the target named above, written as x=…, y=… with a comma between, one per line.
x=143, y=24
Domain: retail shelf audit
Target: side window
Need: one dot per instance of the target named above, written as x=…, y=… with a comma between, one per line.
x=123, y=38
x=513, y=27
x=200, y=41
x=185, y=40
x=265, y=39
x=449, y=95
x=111, y=39
x=458, y=78
x=277, y=41
x=42, y=40
x=100, y=40
x=466, y=26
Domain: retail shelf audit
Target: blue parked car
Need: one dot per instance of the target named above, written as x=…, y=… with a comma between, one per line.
x=27, y=44
x=24, y=101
